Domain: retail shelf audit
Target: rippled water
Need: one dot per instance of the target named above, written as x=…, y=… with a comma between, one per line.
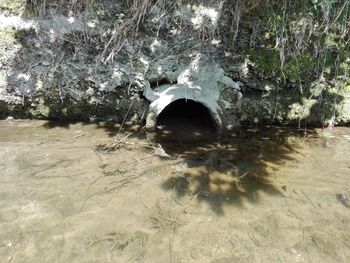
x=75, y=192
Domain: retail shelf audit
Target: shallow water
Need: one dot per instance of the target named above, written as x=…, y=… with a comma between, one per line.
x=88, y=193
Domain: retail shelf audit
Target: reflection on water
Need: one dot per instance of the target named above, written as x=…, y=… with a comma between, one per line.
x=235, y=165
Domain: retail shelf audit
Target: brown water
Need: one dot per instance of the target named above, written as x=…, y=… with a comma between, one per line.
x=84, y=193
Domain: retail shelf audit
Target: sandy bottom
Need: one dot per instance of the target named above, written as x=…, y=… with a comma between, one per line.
x=267, y=195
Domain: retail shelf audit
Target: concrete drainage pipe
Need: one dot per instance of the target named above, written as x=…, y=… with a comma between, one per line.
x=168, y=94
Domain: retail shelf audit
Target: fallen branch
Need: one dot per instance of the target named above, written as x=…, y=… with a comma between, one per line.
x=115, y=144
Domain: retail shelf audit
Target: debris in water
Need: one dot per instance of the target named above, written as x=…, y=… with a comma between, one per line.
x=160, y=152
x=328, y=134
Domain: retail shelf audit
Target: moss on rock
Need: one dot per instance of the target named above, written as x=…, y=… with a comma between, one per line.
x=8, y=42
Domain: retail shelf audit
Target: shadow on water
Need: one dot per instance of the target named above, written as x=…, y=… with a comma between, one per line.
x=235, y=168
x=112, y=128
x=222, y=169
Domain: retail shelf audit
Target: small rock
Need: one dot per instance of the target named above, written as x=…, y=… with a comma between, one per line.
x=160, y=152
x=343, y=199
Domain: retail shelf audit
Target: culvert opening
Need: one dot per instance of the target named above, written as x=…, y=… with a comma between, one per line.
x=185, y=120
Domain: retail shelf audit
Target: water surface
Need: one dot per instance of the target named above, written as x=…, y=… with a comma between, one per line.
x=75, y=192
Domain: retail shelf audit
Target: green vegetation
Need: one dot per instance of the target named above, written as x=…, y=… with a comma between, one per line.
x=7, y=41
x=307, y=45
x=265, y=59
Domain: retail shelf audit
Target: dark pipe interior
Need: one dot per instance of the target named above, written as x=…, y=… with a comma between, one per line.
x=185, y=120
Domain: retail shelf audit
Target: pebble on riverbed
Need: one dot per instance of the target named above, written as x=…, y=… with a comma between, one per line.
x=343, y=199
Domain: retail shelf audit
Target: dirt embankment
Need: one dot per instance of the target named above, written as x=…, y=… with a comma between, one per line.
x=74, y=60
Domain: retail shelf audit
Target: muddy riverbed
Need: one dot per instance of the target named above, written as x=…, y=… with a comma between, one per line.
x=95, y=193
